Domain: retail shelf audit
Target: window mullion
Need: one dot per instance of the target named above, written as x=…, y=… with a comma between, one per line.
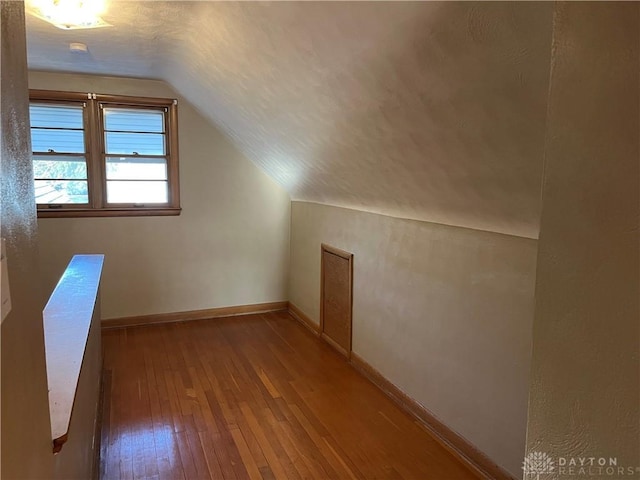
x=94, y=155
x=171, y=116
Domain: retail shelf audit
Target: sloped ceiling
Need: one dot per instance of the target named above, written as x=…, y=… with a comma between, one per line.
x=421, y=110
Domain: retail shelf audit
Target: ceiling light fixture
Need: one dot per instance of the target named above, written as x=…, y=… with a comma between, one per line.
x=70, y=14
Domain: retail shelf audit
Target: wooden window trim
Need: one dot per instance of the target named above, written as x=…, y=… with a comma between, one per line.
x=95, y=156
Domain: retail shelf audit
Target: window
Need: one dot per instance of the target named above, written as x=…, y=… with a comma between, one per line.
x=104, y=155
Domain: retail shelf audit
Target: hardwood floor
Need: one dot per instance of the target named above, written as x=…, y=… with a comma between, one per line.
x=253, y=397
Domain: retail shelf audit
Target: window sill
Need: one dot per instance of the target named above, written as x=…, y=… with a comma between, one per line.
x=108, y=212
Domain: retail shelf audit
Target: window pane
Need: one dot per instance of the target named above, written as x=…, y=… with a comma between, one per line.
x=128, y=143
x=137, y=192
x=59, y=116
x=133, y=120
x=60, y=141
x=136, y=168
x=59, y=167
x=61, y=191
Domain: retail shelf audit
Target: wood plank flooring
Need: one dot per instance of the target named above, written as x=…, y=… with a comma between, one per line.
x=252, y=397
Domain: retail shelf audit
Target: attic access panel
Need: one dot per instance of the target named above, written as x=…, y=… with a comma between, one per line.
x=336, y=298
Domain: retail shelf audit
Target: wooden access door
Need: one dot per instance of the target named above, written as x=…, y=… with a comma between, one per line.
x=336, y=298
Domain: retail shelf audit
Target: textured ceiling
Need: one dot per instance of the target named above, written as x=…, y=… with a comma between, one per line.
x=421, y=110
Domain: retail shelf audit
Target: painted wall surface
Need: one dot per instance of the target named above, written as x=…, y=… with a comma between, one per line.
x=26, y=430
x=444, y=313
x=585, y=377
x=230, y=245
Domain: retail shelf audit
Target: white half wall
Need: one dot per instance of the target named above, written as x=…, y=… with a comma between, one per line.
x=230, y=245
x=444, y=313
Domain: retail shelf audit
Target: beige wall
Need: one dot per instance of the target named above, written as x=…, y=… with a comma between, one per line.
x=585, y=391
x=230, y=245
x=444, y=313
x=26, y=430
